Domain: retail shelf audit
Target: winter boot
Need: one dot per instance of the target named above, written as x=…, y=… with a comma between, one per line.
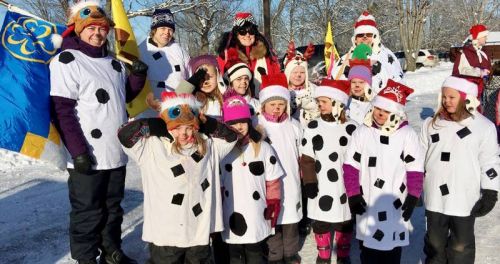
x=323, y=242
x=343, y=242
x=116, y=257
x=295, y=259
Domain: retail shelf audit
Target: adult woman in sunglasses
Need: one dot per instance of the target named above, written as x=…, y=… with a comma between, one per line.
x=253, y=49
x=385, y=65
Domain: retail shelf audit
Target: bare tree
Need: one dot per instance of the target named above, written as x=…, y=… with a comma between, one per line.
x=50, y=10
x=412, y=16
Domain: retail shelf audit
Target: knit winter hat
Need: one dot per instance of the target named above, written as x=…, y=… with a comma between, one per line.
x=393, y=97
x=461, y=85
x=235, y=67
x=196, y=62
x=162, y=17
x=242, y=18
x=274, y=87
x=235, y=108
x=82, y=15
x=179, y=109
x=478, y=31
x=366, y=24
x=334, y=89
x=294, y=59
x=360, y=64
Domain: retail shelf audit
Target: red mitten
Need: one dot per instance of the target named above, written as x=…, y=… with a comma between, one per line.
x=272, y=211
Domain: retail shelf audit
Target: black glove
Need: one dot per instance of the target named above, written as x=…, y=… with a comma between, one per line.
x=133, y=131
x=376, y=68
x=197, y=78
x=408, y=206
x=485, y=204
x=311, y=190
x=83, y=163
x=139, y=67
x=357, y=204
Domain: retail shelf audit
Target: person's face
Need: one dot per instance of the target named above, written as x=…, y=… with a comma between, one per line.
x=380, y=115
x=450, y=99
x=246, y=36
x=298, y=76
x=183, y=134
x=241, y=128
x=366, y=38
x=358, y=87
x=482, y=40
x=324, y=104
x=163, y=36
x=94, y=35
x=210, y=82
x=275, y=107
x=240, y=84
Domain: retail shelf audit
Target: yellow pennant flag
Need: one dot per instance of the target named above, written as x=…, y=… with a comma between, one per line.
x=331, y=54
x=126, y=46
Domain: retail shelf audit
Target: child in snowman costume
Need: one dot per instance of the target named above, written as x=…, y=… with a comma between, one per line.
x=360, y=78
x=180, y=176
x=251, y=187
x=285, y=135
x=461, y=179
x=323, y=147
x=383, y=175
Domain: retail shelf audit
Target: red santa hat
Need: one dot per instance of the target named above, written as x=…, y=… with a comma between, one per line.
x=243, y=17
x=274, y=87
x=365, y=24
x=393, y=97
x=478, y=31
x=334, y=89
x=461, y=85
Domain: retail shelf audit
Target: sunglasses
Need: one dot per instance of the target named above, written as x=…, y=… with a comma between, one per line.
x=368, y=35
x=244, y=31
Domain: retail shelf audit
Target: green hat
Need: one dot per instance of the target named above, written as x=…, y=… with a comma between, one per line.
x=361, y=52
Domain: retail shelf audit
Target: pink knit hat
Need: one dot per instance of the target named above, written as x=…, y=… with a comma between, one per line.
x=196, y=62
x=360, y=72
x=235, y=108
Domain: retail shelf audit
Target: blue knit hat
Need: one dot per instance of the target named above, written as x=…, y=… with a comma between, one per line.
x=162, y=18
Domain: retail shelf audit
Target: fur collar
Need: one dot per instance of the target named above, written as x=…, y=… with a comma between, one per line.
x=258, y=51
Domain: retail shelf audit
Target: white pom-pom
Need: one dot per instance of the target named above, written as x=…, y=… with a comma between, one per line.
x=56, y=40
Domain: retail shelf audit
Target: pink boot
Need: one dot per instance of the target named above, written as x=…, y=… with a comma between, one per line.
x=343, y=242
x=323, y=242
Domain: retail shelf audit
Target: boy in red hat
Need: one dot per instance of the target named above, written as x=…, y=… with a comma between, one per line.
x=383, y=174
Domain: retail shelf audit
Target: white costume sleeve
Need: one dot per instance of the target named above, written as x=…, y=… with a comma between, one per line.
x=64, y=79
x=489, y=160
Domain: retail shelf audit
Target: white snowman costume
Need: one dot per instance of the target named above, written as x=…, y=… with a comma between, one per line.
x=326, y=143
x=168, y=66
x=244, y=177
x=100, y=100
x=383, y=161
x=461, y=158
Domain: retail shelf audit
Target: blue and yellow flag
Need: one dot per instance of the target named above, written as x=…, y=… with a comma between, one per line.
x=25, y=52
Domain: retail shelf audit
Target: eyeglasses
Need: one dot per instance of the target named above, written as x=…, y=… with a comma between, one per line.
x=368, y=35
x=250, y=30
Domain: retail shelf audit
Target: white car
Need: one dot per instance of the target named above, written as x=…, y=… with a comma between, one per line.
x=427, y=58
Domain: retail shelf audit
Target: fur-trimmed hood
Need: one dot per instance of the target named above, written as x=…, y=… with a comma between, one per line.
x=258, y=51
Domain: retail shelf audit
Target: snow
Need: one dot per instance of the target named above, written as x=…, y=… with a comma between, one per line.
x=35, y=208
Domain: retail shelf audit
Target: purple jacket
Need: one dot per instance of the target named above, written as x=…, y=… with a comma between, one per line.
x=63, y=109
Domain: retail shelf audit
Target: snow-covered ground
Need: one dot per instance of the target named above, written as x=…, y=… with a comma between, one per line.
x=34, y=202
